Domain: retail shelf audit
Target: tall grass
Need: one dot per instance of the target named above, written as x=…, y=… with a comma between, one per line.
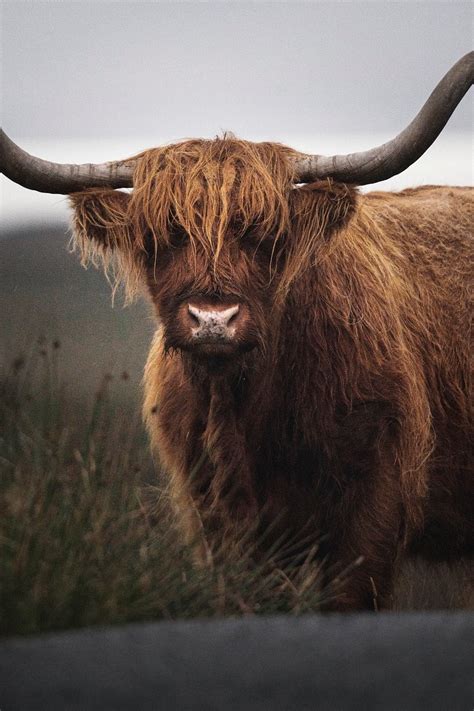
x=86, y=535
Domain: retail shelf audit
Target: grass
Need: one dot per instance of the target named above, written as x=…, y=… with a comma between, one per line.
x=86, y=536
x=86, y=533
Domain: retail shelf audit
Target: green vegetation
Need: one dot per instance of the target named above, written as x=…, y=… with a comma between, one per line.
x=86, y=537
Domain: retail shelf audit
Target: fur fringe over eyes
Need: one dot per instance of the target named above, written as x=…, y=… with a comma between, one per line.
x=204, y=188
x=208, y=190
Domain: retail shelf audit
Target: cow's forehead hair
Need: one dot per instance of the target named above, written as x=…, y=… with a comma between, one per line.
x=206, y=186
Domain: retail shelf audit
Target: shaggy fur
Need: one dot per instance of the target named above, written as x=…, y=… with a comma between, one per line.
x=348, y=425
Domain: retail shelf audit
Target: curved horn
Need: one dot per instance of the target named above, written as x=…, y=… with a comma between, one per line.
x=61, y=178
x=395, y=156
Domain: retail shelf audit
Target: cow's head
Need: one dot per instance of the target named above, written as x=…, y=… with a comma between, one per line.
x=216, y=231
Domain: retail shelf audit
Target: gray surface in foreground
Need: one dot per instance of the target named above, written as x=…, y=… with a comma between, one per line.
x=411, y=661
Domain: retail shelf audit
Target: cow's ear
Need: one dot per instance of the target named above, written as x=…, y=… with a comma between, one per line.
x=322, y=207
x=101, y=218
x=103, y=233
x=317, y=212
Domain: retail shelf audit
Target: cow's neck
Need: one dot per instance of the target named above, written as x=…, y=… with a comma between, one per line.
x=224, y=441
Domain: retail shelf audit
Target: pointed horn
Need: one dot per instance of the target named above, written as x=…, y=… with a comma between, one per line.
x=395, y=156
x=61, y=178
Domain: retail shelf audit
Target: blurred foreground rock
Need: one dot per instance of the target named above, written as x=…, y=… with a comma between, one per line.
x=381, y=662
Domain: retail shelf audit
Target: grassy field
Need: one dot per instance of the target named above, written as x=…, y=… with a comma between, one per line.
x=86, y=536
x=85, y=532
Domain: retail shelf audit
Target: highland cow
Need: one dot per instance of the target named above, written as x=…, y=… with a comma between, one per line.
x=310, y=371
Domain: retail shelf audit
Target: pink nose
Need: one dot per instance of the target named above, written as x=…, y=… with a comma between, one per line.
x=213, y=325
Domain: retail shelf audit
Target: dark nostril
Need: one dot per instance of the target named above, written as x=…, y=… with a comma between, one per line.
x=233, y=316
x=193, y=315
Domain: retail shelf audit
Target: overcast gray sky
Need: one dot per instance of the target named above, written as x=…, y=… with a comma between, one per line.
x=93, y=81
x=115, y=69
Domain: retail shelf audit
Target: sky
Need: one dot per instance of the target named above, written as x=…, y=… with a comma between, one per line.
x=93, y=81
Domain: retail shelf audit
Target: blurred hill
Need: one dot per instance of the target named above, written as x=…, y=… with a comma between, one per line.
x=45, y=293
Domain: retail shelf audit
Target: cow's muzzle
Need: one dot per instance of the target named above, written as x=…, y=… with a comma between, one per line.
x=214, y=325
x=215, y=328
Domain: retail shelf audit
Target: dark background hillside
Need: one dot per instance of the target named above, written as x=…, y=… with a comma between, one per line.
x=45, y=293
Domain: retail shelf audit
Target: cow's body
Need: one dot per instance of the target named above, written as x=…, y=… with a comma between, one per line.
x=310, y=378
x=353, y=429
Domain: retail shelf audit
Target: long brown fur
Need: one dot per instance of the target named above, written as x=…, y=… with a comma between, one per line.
x=348, y=425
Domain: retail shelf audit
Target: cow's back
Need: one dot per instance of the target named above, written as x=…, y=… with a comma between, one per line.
x=433, y=229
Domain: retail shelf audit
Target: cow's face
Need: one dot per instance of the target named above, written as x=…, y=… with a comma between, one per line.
x=215, y=232
x=214, y=305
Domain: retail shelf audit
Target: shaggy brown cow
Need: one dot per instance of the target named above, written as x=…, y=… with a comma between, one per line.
x=310, y=372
